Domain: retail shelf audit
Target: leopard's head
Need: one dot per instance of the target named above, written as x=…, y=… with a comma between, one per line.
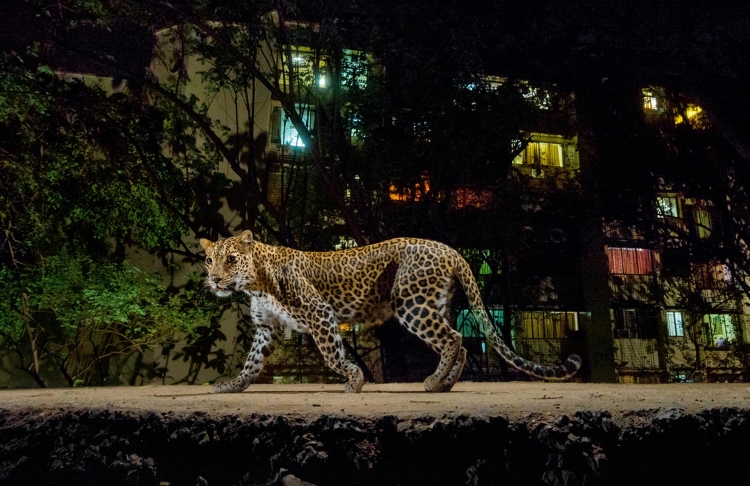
x=229, y=263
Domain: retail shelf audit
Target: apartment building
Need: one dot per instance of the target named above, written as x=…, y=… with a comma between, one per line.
x=675, y=310
x=668, y=308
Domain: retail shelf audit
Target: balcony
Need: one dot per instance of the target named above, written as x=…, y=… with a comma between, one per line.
x=633, y=288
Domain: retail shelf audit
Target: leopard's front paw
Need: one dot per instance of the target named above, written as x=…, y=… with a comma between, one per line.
x=432, y=384
x=233, y=386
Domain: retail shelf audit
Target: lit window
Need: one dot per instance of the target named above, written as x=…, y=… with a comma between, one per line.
x=649, y=100
x=485, y=269
x=702, y=220
x=541, y=153
x=547, y=325
x=693, y=115
x=354, y=70
x=302, y=70
x=693, y=111
x=630, y=261
x=345, y=242
x=674, y=324
x=718, y=329
x=540, y=98
x=282, y=129
x=666, y=207
x=465, y=197
x=415, y=193
x=713, y=275
x=468, y=326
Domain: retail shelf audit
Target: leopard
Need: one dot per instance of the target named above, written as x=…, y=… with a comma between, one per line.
x=410, y=279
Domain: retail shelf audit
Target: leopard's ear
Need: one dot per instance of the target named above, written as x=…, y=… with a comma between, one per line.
x=246, y=237
x=206, y=244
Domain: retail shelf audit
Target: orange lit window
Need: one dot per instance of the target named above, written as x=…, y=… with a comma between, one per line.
x=630, y=261
x=464, y=197
x=414, y=193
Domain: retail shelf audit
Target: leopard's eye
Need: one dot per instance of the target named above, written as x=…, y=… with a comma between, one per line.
x=230, y=259
x=209, y=260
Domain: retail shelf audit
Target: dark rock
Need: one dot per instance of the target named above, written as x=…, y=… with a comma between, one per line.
x=665, y=446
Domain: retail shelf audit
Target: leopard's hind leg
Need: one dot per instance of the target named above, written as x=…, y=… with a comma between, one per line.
x=420, y=297
x=434, y=330
x=455, y=373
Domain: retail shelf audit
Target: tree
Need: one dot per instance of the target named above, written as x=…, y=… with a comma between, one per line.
x=79, y=190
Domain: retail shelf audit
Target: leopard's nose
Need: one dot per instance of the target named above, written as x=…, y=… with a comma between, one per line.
x=216, y=279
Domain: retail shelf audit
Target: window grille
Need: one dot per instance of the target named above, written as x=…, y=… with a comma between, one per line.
x=282, y=129
x=674, y=324
x=636, y=323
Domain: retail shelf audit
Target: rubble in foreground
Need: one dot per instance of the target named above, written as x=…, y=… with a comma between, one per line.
x=662, y=446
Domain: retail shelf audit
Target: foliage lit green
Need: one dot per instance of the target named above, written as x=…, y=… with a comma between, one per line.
x=85, y=185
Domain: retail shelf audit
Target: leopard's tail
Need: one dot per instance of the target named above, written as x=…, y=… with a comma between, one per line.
x=476, y=307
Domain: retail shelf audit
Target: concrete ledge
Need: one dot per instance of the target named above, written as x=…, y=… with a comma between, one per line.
x=45, y=440
x=404, y=400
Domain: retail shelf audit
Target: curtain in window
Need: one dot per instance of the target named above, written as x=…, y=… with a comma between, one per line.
x=645, y=265
x=541, y=153
x=702, y=222
x=547, y=325
x=528, y=329
x=550, y=154
x=630, y=261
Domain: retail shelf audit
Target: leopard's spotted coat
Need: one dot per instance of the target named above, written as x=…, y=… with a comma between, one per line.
x=411, y=279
